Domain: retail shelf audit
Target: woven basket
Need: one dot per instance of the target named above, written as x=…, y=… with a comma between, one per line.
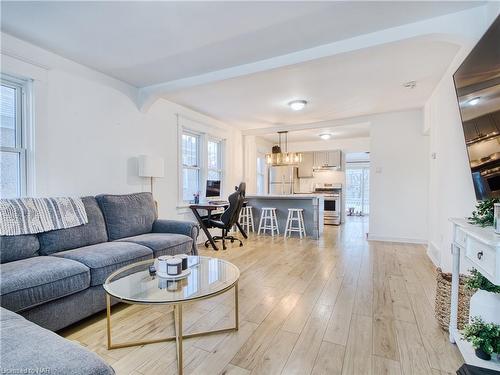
x=443, y=300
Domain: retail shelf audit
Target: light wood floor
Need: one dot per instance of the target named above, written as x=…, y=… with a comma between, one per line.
x=340, y=305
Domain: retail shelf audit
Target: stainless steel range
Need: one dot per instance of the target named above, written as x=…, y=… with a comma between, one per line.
x=333, y=202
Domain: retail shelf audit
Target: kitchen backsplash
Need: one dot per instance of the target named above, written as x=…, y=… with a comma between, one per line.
x=329, y=177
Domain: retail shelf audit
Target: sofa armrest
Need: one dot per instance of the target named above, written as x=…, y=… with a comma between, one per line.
x=188, y=228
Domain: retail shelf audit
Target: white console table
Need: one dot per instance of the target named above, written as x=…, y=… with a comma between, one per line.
x=481, y=250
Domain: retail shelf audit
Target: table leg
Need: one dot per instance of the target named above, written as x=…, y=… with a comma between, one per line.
x=242, y=231
x=108, y=319
x=455, y=279
x=178, y=337
x=204, y=228
x=236, y=308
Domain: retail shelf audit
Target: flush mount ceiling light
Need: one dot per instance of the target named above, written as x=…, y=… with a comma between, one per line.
x=410, y=84
x=297, y=105
x=325, y=136
x=473, y=101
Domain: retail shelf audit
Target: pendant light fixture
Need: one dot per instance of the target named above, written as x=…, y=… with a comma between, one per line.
x=280, y=156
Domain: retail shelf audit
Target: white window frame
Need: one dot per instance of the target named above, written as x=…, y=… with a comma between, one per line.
x=220, y=157
x=197, y=167
x=204, y=138
x=23, y=127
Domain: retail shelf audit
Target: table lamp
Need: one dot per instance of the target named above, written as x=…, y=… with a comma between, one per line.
x=151, y=167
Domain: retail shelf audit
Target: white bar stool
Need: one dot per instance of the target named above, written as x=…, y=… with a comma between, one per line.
x=246, y=219
x=299, y=219
x=268, y=220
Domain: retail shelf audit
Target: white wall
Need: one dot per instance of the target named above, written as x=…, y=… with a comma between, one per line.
x=253, y=147
x=398, y=177
x=88, y=132
x=451, y=192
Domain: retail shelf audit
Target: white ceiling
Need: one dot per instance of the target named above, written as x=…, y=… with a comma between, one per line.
x=337, y=132
x=145, y=43
x=352, y=84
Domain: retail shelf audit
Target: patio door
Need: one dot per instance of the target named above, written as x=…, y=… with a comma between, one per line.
x=358, y=188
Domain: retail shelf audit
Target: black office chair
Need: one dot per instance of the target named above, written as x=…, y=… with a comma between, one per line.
x=241, y=188
x=227, y=220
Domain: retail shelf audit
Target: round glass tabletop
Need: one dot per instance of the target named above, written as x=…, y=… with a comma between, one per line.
x=208, y=277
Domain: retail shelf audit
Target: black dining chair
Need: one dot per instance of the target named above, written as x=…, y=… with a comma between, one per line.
x=227, y=220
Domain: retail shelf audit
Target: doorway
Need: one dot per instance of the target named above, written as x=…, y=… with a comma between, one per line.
x=357, y=184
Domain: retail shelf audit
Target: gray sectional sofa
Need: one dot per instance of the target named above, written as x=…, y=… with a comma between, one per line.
x=30, y=349
x=55, y=278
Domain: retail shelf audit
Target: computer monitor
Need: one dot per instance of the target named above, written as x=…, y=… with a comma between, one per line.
x=213, y=188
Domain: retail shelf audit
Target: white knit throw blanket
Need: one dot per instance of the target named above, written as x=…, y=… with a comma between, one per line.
x=36, y=215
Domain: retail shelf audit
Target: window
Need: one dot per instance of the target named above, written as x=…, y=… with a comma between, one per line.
x=12, y=139
x=190, y=165
x=214, y=159
x=202, y=159
x=261, y=175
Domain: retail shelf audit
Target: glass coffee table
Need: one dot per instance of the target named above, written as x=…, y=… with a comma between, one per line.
x=133, y=284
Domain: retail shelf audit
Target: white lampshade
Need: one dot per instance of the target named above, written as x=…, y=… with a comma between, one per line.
x=150, y=166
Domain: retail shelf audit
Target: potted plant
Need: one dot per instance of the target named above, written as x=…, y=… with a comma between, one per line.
x=484, y=337
x=484, y=213
x=485, y=303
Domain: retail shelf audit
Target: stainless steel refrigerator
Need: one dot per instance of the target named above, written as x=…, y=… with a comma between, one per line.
x=283, y=180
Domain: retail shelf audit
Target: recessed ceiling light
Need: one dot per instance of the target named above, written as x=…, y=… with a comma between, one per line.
x=410, y=84
x=473, y=101
x=325, y=136
x=297, y=105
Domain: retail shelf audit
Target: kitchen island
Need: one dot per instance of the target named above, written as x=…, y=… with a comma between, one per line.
x=312, y=204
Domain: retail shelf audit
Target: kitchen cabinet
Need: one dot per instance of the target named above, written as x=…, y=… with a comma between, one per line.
x=334, y=158
x=324, y=159
x=307, y=165
x=320, y=159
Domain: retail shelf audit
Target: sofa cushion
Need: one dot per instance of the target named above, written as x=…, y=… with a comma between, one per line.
x=127, y=215
x=29, y=282
x=71, y=238
x=163, y=243
x=24, y=345
x=18, y=247
x=107, y=257
x=188, y=228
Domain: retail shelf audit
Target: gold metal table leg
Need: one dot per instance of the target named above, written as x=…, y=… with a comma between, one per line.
x=178, y=337
x=236, y=308
x=108, y=319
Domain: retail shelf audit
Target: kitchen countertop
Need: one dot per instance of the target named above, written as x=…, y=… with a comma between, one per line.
x=312, y=206
x=286, y=196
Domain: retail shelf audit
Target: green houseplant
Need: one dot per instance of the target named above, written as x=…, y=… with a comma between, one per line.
x=484, y=337
x=485, y=302
x=484, y=213
x=476, y=280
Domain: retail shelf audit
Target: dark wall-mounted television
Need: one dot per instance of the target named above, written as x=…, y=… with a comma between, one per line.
x=477, y=84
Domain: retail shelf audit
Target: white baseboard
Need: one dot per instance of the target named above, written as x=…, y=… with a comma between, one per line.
x=433, y=254
x=374, y=237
